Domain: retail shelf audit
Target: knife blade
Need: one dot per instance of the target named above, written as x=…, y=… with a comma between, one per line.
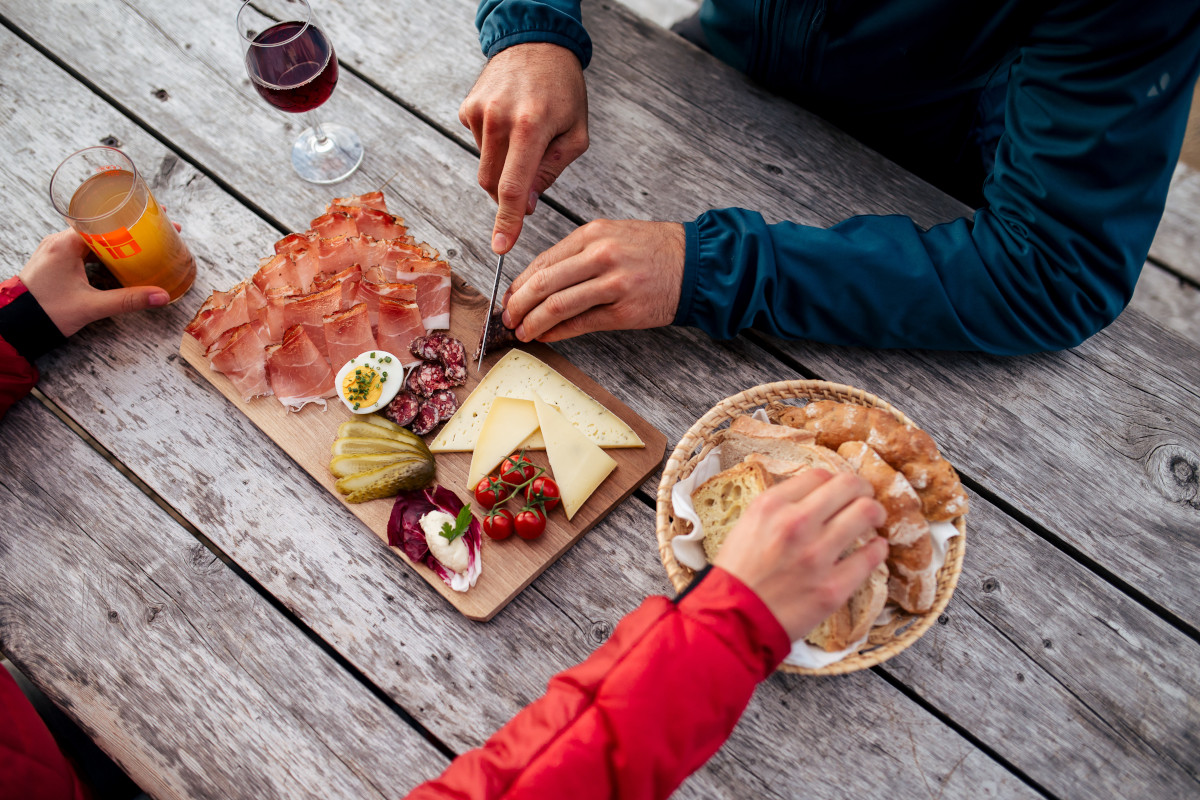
x=491, y=304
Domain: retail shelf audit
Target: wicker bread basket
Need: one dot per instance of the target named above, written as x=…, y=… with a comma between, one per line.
x=886, y=640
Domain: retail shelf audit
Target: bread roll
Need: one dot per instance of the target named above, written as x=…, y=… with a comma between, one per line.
x=746, y=435
x=905, y=447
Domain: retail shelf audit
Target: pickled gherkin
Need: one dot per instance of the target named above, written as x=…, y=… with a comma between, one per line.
x=388, y=480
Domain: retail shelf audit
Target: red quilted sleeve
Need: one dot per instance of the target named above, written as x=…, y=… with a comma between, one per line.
x=642, y=713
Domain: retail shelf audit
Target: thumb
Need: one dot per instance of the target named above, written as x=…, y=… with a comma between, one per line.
x=121, y=301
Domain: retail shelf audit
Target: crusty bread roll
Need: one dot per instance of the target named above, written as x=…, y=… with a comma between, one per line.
x=746, y=435
x=853, y=621
x=805, y=456
x=721, y=500
x=912, y=582
x=905, y=447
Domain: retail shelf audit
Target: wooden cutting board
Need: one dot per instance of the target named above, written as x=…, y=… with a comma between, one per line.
x=510, y=565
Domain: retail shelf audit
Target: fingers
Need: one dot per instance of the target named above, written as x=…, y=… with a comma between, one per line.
x=849, y=573
x=836, y=494
x=526, y=148
x=123, y=301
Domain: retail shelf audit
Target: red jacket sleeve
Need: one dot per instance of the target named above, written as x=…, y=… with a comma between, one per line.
x=647, y=709
x=31, y=765
x=17, y=375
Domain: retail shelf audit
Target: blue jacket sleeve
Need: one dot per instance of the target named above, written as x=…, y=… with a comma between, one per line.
x=504, y=23
x=1093, y=118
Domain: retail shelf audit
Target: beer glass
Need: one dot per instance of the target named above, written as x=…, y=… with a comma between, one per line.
x=100, y=194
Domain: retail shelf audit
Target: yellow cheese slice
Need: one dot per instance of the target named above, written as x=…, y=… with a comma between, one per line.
x=577, y=463
x=509, y=422
x=520, y=375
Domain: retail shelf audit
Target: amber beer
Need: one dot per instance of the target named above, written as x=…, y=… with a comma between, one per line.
x=111, y=207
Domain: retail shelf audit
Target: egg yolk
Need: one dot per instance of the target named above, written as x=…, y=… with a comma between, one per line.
x=362, y=386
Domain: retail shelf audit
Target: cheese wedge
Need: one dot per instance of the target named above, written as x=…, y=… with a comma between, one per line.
x=509, y=422
x=519, y=375
x=577, y=463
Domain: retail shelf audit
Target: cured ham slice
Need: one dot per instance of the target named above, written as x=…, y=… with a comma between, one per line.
x=271, y=314
x=347, y=334
x=369, y=200
x=310, y=310
x=399, y=324
x=241, y=356
x=377, y=224
x=432, y=279
x=236, y=307
x=348, y=279
x=369, y=292
x=285, y=269
x=335, y=223
x=297, y=371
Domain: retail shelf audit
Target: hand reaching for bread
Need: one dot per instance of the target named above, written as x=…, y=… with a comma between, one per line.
x=787, y=546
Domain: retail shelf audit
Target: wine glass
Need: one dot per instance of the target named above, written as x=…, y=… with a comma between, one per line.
x=291, y=63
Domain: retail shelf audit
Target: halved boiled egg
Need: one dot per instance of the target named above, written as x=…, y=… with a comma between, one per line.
x=369, y=381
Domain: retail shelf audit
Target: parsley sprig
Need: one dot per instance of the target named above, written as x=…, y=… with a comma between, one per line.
x=461, y=523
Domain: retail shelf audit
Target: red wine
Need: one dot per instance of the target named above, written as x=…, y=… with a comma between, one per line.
x=297, y=76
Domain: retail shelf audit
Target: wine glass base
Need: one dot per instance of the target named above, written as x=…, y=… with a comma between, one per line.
x=329, y=159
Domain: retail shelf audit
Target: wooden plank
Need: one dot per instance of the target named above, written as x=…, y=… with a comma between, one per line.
x=1066, y=712
x=193, y=683
x=739, y=146
x=1177, y=243
x=508, y=566
x=123, y=381
x=1170, y=301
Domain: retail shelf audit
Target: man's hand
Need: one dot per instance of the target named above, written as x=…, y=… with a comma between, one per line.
x=528, y=112
x=787, y=545
x=56, y=278
x=605, y=276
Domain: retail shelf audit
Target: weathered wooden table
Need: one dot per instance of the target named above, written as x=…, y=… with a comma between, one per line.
x=224, y=628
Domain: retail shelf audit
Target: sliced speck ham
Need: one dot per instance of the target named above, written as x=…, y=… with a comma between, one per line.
x=399, y=324
x=370, y=291
x=348, y=334
x=348, y=279
x=432, y=279
x=241, y=356
x=369, y=200
x=310, y=311
x=297, y=371
x=335, y=223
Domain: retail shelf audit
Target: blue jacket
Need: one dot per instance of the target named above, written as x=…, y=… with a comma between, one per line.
x=1061, y=122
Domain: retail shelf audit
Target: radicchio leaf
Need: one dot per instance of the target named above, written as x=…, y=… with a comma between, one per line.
x=404, y=531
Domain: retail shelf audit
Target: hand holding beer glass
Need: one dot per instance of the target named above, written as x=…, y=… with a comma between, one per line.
x=100, y=194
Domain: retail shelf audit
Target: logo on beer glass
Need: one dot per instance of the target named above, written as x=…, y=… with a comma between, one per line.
x=118, y=243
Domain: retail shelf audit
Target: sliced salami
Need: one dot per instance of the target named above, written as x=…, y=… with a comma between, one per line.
x=427, y=378
x=427, y=419
x=445, y=402
x=403, y=409
x=428, y=346
x=453, y=356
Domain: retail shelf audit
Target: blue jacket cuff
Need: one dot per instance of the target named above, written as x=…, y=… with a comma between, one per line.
x=504, y=23
x=691, y=268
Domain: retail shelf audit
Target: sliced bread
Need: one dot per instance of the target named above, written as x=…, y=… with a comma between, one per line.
x=802, y=457
x=853, y=621
x=747, y=435
x=721, y=500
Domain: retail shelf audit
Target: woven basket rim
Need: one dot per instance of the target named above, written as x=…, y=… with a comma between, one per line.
x=696, y=443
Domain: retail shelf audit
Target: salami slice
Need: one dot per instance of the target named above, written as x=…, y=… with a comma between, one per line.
x=445, y=402
x=427, y=347
x=453, y=356
x=427, y=419
x=427, y=378
x=403, y=409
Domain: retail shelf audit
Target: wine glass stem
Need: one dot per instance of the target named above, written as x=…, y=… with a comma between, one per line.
x=318, y=131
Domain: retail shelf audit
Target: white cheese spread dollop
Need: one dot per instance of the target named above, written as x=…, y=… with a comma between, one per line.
x=453, y=555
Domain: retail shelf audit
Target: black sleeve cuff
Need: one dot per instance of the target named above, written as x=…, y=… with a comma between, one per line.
x=25, y=326
x=695, y=582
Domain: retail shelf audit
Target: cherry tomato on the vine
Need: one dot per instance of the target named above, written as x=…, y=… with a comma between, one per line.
x=517, y=469
x=530, y=523
x=491, y=492
x=543, y=491
x=499, y=524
